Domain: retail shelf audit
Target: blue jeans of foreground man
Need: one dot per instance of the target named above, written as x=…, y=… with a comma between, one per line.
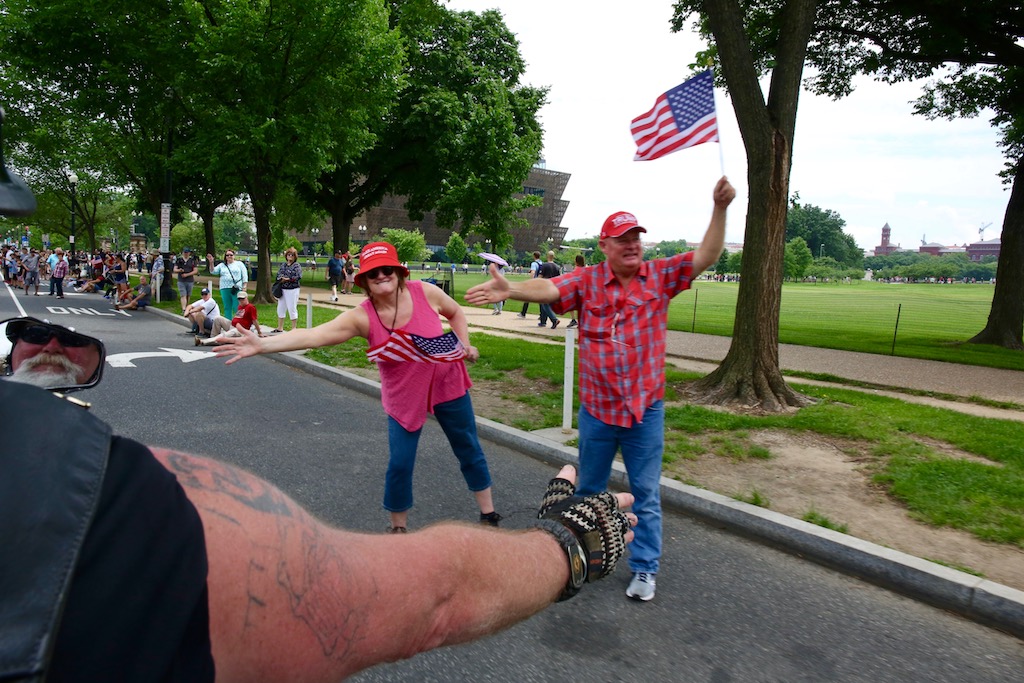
x=459, y=424
x=642, y=446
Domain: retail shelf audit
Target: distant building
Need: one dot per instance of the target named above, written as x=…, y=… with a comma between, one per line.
x=544, y=222
x=979, y=250
x=936, y=249
x=885, y=248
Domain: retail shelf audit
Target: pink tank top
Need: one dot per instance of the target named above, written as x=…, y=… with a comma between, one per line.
x=409, y=391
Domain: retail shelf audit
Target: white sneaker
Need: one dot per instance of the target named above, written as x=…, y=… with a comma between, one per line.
x=641, y=587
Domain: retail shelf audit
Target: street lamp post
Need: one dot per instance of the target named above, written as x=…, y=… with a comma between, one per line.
x=362, y=234
x=73, y=179
x=821, y=250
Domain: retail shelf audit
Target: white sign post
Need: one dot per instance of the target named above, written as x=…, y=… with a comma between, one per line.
x=165, y=227
x=569, y=374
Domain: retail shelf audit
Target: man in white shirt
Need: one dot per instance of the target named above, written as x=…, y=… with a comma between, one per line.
x=202, y=313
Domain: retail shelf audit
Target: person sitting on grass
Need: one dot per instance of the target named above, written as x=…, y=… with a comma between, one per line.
x=202, y=313
x=245, y=316
x=141, y=299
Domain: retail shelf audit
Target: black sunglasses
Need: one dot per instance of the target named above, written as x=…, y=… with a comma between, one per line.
x=42, y=334
x=387, y=271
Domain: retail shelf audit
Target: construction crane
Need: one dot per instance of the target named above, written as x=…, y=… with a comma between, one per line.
x=981, y=231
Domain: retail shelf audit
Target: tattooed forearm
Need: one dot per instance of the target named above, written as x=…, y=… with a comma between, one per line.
x=313, y=573
x=217, y=477
x=293, y=564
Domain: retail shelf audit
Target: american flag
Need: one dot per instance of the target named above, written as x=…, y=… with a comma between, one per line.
x=682, y=117
x=402, y=346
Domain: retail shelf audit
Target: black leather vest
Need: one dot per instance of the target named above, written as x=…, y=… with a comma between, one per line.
x=52, y=462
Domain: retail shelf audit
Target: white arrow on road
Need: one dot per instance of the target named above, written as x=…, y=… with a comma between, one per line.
x=124, y=360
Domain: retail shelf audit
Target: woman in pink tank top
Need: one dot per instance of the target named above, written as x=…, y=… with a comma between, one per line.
x=422, y=371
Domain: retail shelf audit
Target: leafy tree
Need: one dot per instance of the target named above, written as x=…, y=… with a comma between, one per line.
x=723, y=262
x=282, y=241
x=460, y=138
x=190, y=233
x=96, y=86
x=286, y=89
x=976, y=53
x=411, y=245
x=456, y=249
x=734, y=264
x=233, y=228
x=673, y=247
x=749, y=374
x=822, y=231
x=797, y=258
x=897, y=258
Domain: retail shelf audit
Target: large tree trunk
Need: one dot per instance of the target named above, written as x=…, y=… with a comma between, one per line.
x=750, y=375
x=262, y=209
x=1005, y=325
x=208, y=215
x=340, y=225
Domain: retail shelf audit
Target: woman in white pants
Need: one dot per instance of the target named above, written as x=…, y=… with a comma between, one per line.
x=289, y=276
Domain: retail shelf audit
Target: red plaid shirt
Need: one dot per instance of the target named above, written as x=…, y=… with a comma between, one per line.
x=622, y=334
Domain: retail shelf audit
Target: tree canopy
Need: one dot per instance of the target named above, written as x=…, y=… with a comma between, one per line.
x=822, y=233
x=974, y=54
x=461, y=134
x=200, y=102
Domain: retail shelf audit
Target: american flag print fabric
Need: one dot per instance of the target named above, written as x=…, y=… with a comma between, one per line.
x=682, y=117
x=404, y=347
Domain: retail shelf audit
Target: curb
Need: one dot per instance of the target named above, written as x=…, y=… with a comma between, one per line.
x=980, y=600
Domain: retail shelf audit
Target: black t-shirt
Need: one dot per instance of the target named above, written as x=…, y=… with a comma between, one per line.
x=137, y=609
x=187, y=265
x=549, y=269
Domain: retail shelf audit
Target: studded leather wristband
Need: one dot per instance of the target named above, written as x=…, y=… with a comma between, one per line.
x=574, y=552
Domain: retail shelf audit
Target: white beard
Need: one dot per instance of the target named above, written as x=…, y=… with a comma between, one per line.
x=67, y=376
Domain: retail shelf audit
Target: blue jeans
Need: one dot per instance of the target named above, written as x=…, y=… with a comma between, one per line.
x=459, y=424
x=546, y=313
x=642, y=445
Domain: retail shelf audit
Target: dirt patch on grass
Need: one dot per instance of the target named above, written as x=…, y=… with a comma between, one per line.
x=832, y=478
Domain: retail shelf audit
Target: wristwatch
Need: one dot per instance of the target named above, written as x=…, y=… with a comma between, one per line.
x=573, y=550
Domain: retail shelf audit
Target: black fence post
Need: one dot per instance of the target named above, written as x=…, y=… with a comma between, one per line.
x=899, y=307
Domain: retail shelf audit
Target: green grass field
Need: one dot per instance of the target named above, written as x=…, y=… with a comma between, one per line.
x=925, y=320
x=928, y=321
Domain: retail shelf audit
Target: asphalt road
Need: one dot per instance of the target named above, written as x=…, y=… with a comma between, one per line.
x=727, y=609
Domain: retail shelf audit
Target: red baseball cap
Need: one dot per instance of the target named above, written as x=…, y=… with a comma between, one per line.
x=375, y=255
x=619, y=223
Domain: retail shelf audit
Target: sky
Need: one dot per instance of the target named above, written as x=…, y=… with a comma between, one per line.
x=865, y=157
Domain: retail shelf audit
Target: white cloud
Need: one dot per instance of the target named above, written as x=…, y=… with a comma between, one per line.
x=865, y=157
